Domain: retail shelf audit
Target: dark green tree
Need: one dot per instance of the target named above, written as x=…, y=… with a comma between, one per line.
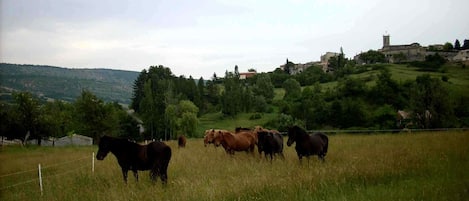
x=232, y=95
x=448, y=47
x=430, y=104
x=288, y=67
x=264, y=87
x=213, y=96
x=312, y=107
x=351, y=87
x=92, y=115
x=28, y=109
x=465, y=45
x=386, y=90
x=292, y=90
x=57, y=118
x=278, y=76
x=372, y=57
x=457, y=45
x=201, y=93
x=138, y=92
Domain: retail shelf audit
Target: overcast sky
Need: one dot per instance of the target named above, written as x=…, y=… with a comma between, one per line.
x=203, y=37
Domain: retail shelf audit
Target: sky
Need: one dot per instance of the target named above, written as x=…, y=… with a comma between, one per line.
x=201, y=37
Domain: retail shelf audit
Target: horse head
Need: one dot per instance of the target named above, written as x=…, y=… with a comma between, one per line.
x=217, y=137
x=292, y=135
x=103, y=147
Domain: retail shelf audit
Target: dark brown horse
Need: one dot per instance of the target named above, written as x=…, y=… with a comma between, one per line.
x=242, y=141
x=306, y=144
x=270, y=143
x=132, y=156
x=182, y=141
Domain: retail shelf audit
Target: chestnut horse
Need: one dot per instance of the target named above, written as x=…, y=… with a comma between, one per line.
x=132, y=156
x=242, y=141
x=209, y=135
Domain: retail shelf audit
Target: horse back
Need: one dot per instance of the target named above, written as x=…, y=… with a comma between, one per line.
x=241, y=141
x=246, y=137
x=158, y=150
x=322, y=142
x=312, y=144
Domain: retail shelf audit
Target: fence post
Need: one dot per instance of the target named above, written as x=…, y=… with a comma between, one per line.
x=40, y=177
x=92, y=162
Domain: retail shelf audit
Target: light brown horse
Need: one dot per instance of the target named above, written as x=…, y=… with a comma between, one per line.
x=242, y=141
x=209, y=135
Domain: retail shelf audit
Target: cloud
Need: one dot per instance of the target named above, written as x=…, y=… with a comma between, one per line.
x=203, y=37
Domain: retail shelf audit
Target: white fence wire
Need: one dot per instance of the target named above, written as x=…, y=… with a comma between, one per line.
x=40, y=169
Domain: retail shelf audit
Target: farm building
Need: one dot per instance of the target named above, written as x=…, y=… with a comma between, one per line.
x=73, y=140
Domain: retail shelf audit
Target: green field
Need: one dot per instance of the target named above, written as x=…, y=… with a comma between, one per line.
x=417, y=166
x=458, y=77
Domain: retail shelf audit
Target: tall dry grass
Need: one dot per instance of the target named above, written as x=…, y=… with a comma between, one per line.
x=423, y=166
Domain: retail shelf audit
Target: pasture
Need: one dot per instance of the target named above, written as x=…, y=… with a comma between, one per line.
x=417, y=166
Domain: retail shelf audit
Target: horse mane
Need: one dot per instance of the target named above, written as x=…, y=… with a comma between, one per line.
x=240, y=129
x=121, y=141
x=299, y=130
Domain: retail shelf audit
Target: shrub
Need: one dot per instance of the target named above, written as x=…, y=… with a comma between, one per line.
x=255, y=116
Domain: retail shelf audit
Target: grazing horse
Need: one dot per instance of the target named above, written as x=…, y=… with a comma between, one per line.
x=270, y=142
x=182, y=141
x=132, y=156
x=242, y=141
x=306, y=144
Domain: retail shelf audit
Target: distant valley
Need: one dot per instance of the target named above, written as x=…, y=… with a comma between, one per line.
x=49, y=82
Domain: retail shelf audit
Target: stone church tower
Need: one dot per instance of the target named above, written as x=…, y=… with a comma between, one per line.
x=386, y=41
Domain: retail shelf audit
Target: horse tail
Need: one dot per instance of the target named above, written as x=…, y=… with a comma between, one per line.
x=325, y=139
x=167, y=155
x=165, y=162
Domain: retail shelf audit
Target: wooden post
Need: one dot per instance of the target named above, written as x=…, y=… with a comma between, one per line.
x=40, y=177
x=92, y=162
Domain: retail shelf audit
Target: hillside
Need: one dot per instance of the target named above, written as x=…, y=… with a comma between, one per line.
x=50, y=82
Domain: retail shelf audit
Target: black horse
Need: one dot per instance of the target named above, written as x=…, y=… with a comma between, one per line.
x=132, y=156
x=306, y=144
x=270, y=143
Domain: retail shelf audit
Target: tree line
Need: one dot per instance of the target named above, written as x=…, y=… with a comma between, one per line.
x=169, y=106
x=27, y=117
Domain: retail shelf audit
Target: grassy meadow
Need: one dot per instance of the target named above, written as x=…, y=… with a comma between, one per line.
x=417, y=166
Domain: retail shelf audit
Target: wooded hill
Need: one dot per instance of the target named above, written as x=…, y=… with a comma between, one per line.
x=49, y=82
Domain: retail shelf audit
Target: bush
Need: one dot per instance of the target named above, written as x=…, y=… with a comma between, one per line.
x=282, y=122
x=444, y=78
x=255, y=116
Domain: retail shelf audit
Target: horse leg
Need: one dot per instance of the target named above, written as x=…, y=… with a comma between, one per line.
x=135, y=174
x=300, y=157
x=321, y=157
x=163, y=171
x=153, y=174
x=281, y=154
x=124, y=173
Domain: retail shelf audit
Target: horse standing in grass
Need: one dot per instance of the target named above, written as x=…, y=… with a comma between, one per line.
x=182, y=141
x=132, y=156
x=270, y=143
x=306, y=144
x=242, y=141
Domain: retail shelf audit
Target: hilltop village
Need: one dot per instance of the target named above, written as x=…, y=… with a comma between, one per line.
x=392, y=54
